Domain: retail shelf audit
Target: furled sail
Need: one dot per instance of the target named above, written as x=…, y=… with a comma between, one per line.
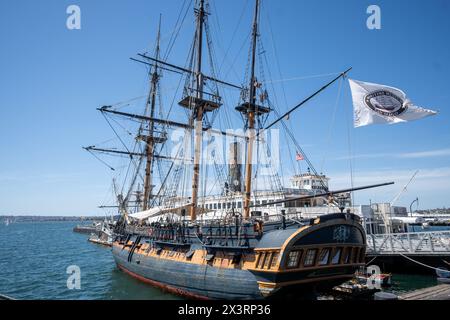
x=158, y=211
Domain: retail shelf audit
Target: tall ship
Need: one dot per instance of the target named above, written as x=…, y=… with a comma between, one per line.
x=206, y=229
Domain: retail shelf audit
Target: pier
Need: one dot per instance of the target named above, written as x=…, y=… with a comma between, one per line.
x=412, y=243
x=421, y=252
x=439, y=292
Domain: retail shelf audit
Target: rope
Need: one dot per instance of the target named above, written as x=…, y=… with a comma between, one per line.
x=275, y=52
x=199, y=239
x=333, y=121
x=420, y=263
x=102, y=161
x=349, y=141
x=225, y=58
x=304, y=78
x=177, y=29
x=371, y=261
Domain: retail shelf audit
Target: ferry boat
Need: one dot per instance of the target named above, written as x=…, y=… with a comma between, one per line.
x=243, y=243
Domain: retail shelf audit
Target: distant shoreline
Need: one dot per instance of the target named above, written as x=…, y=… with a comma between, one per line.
x=16, y=219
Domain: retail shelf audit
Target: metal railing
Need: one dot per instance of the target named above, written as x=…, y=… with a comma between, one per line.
x=433, y=243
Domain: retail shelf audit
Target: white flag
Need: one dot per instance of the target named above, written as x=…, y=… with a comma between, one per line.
x=376, y=103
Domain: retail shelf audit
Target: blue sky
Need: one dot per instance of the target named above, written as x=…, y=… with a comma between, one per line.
x=52, y=80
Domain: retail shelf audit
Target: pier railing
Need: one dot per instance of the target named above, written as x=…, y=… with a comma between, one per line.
x=433, y=243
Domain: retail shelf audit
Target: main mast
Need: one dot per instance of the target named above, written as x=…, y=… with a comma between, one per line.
x=199, y=105
x=251, y=110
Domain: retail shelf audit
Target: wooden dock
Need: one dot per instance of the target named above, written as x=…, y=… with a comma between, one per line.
x=439, y=292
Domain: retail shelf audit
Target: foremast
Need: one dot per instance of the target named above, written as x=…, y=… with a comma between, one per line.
x=198, y=111
x=150, y=139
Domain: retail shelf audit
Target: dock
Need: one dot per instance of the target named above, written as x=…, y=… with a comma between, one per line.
x=439, y=292
x=412, y=243
x=418, y=252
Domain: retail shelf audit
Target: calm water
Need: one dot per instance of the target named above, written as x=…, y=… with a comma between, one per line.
x=34, y=258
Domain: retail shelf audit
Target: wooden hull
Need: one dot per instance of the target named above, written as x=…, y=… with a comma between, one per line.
x=198, y=276
x=190, y=280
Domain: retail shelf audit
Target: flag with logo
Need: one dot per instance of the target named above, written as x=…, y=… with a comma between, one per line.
x=379, y=104
x=299, y=156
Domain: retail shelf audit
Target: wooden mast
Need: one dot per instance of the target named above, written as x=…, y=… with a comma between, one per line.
x=251, y=118
x=198, y=110
x=149, y=139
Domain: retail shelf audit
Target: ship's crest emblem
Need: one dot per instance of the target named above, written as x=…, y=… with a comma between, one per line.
x=386, y=103
x=341, y=233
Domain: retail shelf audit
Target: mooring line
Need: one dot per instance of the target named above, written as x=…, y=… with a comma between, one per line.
x=422, y=264
x=371, y=261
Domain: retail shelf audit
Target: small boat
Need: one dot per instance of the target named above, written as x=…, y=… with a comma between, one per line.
x=97, y=240
x=104, y=236
x=88, y=229
x=443, y=273
x=354, y=289
x=379, y=280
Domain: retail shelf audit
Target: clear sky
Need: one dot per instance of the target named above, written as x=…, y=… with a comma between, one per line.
x=52, y=80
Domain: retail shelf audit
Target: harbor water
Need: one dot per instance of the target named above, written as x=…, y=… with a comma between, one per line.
x=34, y=258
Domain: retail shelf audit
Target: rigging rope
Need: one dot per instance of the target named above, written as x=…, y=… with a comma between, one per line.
x=371, y=261
x=305, y=77
x=176, y=30
x=350, y=155
x=299, y=148
x=420, y=263
x=291, y=150
x=330, y=129
x=101, y=160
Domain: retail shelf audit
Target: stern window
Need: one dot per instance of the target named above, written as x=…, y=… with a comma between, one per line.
x=355, y=255
x=293, y=259
x=337, y=256
x=323, y=257
x=262, y=260
x=310, y=257
x=267, y=261
x=347, y=255
x=274, y=260
x=362, y=255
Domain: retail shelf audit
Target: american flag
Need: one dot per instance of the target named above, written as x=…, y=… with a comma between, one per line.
x=299, y=156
